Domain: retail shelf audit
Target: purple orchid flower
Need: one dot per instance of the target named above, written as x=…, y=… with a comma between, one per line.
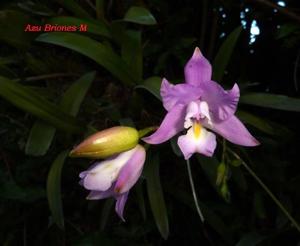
x=114, y=177
x=197, y=105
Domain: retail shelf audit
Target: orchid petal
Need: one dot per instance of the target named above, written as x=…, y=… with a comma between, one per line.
x=187, y=145
x=98, y=181
x=97, y=195
x=131, y=172
x=103, y=174
x=178, y=94
x=222, y=104
x=170, y=126
x=120, y=204
x=205, y=144
x=192, y=111
x=234, y=131
x=198, y=69
x=196, y=110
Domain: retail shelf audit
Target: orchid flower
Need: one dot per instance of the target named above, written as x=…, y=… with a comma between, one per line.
x=114, y=177
x=200, y=106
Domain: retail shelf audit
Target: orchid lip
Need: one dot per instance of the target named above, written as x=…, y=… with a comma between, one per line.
x=197, y=129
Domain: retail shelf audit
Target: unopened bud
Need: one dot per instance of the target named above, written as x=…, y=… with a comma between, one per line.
x=107, y=143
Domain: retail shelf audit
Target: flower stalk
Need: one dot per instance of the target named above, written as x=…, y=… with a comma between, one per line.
x=194, y=191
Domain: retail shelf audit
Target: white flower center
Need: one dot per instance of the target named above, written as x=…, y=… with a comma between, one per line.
x=197, y=112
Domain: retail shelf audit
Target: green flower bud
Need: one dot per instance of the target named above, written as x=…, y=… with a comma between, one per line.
x=107, y=143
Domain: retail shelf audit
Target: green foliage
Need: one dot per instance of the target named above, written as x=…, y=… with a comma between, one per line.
x=268, y=100
x=54, y=189
x=31, y=102
x=12, y=25
x=139, y=15
x=74, y=8
x=132, y=52
x=155, y=195
x=152, y=85
x=97, y=51
x=42, y=134
x=73, y=97
x=40, y=138
x=252, y=238
x=225, y=53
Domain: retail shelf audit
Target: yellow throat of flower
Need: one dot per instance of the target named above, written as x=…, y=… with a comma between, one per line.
x=197, y=129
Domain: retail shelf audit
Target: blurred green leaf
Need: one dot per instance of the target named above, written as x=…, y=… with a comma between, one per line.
x=286, y=30
x=255, y=121
x=274, y=101
x=100, y=8
x=224, y=54
x=95, y=27
x=140, y=15
x=250, y=239
x=141, y=199
x=132, y=52
x=12, y=191
x=221, y=173
x=8, y=60
x=36, y=65
x=210, y=166
x=97, y=238
x=152, y=85
x=36, y=8
x=238, y=177
x=265, y=125
x=118, y=32
x=105, y=212
x=221, y=181
x=74, y=96
x=224, y=191
x=40, y=138
x=259, y=207
x=216, y=222
x=54, y=189
x=175, y=146
x=29, y=101
x=155, y=194
x=74, y=8
x=236, y=163
x=42, y=134
x=12, y=26
x=7, y=72
x=210, y=216
x=94, y=50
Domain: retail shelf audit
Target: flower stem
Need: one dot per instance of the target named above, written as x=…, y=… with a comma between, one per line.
x=146, y=130
x=194, y=191
x=224, y=150
x=269, y=192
